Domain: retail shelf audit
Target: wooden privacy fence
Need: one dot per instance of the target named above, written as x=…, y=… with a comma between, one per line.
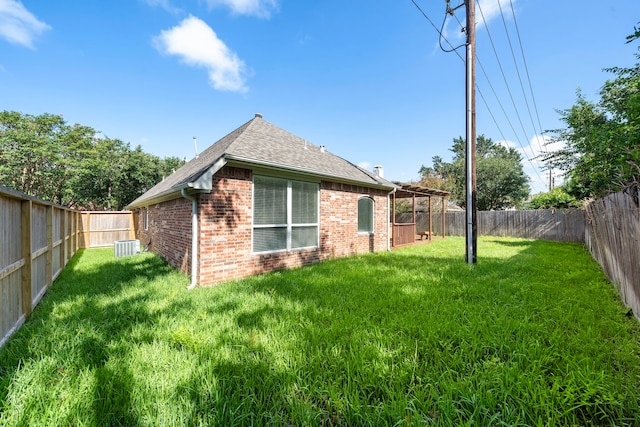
x=37, y=239
x=613, y=238
x=101, y=229
x=548, y=224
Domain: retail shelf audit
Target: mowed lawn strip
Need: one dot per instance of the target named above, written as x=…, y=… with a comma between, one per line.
x=532, y=335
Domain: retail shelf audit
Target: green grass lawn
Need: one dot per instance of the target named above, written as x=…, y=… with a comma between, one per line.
x=532, y=335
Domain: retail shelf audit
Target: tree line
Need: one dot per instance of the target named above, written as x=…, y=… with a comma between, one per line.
x=45, y=157
x=602, y=138
x=600, y=154
x=500, y=179
x=72, y=165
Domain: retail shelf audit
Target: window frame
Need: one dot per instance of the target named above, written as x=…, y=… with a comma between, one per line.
x=372, y=209
x=289, y=225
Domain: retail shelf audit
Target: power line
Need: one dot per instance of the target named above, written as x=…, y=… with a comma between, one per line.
x=428, y=19
x=524, y=151
x=449, y=11
x=504, y=76
x=524, y=60
x=438, y=30
x=453, y=49
x=515, y=62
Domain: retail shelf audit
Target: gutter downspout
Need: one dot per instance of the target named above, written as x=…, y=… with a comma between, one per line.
x=389, y=228
x=194, y=238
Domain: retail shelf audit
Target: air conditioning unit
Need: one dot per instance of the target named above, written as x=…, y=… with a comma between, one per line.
x=126, y=247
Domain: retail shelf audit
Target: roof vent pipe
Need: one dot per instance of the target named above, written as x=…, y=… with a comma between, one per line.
x=378, y=170
x=195, y=145
x=322, y=149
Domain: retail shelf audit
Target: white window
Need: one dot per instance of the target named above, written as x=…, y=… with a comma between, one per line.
x=365, y=215
x=285, y=214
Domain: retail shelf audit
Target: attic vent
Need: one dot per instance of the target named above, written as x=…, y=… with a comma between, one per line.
x=322, y=149
x=126, y=247
x=259, y=115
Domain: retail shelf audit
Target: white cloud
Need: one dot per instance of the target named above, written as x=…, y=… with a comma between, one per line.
x=259, y=8
x=541, y=144
x=18, y=25
x=199, y=46
x=535, y=168
x=164, y=4
x=365, y=165
x=490, y=10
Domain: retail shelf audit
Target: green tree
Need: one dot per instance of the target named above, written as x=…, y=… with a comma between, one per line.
x=602, y=139
x=94, y=185
x=438, y=176
x=557, y=198
x=634, y=36
x=140, y=171
x=45, y=157
x=39, y=154
x=500, y=179
x=169, y=165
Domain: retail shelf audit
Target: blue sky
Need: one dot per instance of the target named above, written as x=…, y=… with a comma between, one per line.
x=365, y=79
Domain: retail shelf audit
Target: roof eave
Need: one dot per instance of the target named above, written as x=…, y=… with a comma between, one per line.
x=278, y=167
x=201, y=184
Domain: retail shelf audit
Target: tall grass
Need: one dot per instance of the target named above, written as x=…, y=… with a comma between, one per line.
x=532, y=335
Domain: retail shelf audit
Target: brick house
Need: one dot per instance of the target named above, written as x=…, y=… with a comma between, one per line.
x=262, y=199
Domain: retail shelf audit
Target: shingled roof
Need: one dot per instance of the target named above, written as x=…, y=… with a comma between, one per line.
x=259, y=143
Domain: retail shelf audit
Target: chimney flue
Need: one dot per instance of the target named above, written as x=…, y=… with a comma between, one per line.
x=378, y=170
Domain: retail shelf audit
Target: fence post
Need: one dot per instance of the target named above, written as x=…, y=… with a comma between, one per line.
x=132, y=233
x=74, y=235
x=78, y=230
x=25, y=219
x=64, y=232
x=48, y=275
x=444, y=213
x=87, y=231
x=430, y=226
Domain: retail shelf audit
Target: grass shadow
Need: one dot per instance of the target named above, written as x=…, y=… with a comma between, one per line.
x=416, y=336
x=85, y=323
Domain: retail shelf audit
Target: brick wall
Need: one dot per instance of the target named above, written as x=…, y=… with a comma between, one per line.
x=226, y=225
x=339, y=220
x=225, y=232
x=168, y=231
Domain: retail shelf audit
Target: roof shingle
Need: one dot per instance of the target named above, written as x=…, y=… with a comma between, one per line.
x=261, y=143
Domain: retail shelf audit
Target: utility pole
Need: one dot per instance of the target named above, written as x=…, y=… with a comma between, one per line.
x=550, y=179
x=470, y=161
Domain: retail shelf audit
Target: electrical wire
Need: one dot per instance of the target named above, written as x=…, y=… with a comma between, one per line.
x=443, y=37
x=449, y=11
x=526, y=68
x=510, y=96
x=504, y=76
x=515, y=62
x=439, y=31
